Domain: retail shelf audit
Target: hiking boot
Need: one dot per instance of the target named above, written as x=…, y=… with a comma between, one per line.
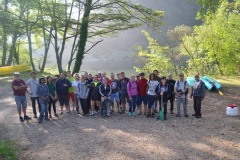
x=177, y=115
x=39, y=121
x=186, y=116
x=21, y=119
x=27, y=118
x=47, y=119
x=134, y=114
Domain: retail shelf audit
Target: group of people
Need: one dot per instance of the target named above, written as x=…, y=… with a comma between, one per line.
x=97, y=94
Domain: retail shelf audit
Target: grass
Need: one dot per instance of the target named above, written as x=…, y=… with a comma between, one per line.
x=7, y=150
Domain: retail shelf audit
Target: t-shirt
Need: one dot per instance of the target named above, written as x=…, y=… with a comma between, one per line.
x=115, y=86
x=19, y=82
x=180, y=86
x=75, y=86
x=142, y=87
x=70, y=89
x=152, y=85
x=171, y=84
x=52, y=89
x=33, y=84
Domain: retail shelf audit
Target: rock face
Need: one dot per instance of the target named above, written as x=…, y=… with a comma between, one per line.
x=118, y=50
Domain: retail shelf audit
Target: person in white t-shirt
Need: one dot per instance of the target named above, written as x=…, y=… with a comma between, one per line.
x=75, y=84
x=33, y=84
x=151, y=94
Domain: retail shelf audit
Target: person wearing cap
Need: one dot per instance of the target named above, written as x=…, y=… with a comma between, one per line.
x=19, y=89
x=171, y=94
x=181, y=91
x=142, y=93
x=198, y=94
x=33, y=84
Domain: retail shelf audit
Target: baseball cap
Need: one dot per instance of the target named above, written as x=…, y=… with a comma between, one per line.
x=16, y=73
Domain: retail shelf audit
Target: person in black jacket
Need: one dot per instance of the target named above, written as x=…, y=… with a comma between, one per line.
x=163, y=91
x=95, y=94
x=105, y=91
x=171, y=95
x=198, y=94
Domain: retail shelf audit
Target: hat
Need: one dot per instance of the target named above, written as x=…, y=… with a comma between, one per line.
x=141, y=74
x=16, y=73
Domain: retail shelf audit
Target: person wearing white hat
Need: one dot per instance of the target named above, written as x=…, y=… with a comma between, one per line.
x=19, y=89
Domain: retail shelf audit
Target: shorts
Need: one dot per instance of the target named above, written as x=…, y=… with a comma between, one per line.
x=115, y=96
x=21, y=102
x=124, y=98
x=71, y=96
x=95, y=98
x=63, y=100
x=142, y=99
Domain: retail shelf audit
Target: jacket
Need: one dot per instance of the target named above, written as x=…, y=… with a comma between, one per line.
x=199, y=91
x=165, y=90
x=83, y=90
x=105, y=91
x=94, y=90
x=132, y=88
x=123, y=85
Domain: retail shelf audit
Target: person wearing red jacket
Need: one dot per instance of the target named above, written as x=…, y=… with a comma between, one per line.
x=142, y=93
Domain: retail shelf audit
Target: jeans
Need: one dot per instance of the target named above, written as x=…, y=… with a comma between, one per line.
x=76, y=101
x=33, y=100
x=197, y=104
x=133, y=103
x=184, y=101
x=84, y=106
x=151, y=101
x=44, y=109
x=51, y=103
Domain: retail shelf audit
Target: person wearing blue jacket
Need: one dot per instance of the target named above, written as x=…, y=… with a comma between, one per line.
x=163, y=91
x=198, y=94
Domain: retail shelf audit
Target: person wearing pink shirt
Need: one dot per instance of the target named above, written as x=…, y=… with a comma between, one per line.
x=133, y=95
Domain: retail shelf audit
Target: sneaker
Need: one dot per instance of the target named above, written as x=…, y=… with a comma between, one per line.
x=21, y=119
x=47, y=119
x=27, y=118
x=61, y=113
x=50, y=116
x=134, y=114
x=140, y=113
x=35, y=116
x=177, y=115
x=186, y=116
x=198, y=116
x=194, y=115
x=129, y=114
x=56, y=115
x=78, y=112
x=171, y=112
x=39, y=121
x=149, y=115
x=92, y=114
x=165, y=118
x=153, y=115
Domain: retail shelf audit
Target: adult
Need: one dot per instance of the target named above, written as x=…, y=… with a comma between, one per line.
x=105, y=91
x=137, y=77
x=33, y=83
x=163, y=90
x=75, y=84
x=43, y=94
x=123, y=92
x=151, y=93
x=142, y=93
x=52, y=97
x=158, y=97
x=95, y=95
x=132, y=89
x=156, y=73
x=70, y=92
x=171, y=95
x=19, y=90
x=181, y=90
x=62, y=85
x=83, y=95
x=198, y=94
x=115, y=92
x=88, y=82
x=103, y=76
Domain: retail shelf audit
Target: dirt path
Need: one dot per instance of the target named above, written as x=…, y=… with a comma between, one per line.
x=215, y=136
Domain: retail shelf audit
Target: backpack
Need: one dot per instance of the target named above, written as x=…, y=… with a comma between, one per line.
x=185, y=83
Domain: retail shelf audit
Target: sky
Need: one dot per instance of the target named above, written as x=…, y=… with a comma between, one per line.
x=118, y=53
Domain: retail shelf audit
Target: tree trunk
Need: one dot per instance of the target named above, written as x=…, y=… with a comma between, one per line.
x=29, y=34
x=12, y=49
x=4, y=50
x=83, y=37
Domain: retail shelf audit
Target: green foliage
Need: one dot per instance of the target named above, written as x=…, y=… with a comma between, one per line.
x=7, y=150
